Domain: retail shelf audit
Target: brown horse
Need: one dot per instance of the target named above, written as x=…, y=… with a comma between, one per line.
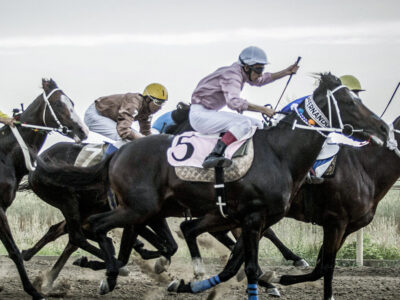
x=50, y=109
x=144, y=181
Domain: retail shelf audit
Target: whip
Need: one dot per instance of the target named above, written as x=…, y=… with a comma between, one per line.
x=287, y=83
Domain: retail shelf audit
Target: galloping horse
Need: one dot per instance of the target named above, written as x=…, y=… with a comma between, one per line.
x=50, y=109
x=341, y=205
x=144, y=181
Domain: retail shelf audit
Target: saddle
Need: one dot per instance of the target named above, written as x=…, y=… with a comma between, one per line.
x=90, y=154
x=187, y=160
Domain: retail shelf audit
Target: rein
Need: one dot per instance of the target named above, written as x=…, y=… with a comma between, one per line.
x=318, y=117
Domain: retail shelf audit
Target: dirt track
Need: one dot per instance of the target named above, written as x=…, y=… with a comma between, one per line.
x=74, y=283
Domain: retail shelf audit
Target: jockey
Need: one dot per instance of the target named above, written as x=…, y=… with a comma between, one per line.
x=112, y=116
x=223, y=87
x=6, y=119
x=331, y=144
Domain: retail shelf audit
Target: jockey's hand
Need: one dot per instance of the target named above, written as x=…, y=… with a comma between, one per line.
x=292, y=69
x=268, y=111
x=136, y=135
x=9, y=122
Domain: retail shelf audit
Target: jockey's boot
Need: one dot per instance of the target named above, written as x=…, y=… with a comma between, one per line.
x=216, y=157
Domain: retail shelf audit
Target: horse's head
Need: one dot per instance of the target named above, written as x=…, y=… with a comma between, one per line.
x=59, y=112
x=343, y=109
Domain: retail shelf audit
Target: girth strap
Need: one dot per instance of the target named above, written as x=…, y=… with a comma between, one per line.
x=220, y=190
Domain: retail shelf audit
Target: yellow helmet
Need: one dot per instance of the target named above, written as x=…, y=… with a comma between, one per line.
x=351, y=82
x=157, y=92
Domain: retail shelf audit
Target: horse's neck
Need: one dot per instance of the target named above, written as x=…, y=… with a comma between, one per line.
x=382, y=166
x=296, y=149
x=33, y=139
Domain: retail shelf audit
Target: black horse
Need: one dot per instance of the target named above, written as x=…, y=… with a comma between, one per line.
x=144, y=182
x=78, y=206
x=50, y=109
x=342, y=205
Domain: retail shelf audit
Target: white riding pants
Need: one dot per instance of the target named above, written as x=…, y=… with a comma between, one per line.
x=100, y=124
x=208, y=121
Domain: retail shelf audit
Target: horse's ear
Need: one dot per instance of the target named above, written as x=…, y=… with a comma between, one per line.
x=45, y=84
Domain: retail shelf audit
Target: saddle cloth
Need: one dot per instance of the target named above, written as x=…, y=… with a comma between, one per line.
x=90, y=154
x=242, y=161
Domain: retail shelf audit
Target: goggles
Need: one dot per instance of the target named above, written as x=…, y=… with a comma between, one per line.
x=156, y=101
x=257, y=70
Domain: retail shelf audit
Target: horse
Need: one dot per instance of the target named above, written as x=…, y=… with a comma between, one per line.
x=76, y=207
x=50, y=110
x=342, y=205
x=143, y=180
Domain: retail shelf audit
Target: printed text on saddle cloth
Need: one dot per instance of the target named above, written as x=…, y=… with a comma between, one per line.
x=190, y=148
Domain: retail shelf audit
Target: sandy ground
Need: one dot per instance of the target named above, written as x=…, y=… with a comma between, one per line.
x=75, y=283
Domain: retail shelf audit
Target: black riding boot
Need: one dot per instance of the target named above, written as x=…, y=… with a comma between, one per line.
x=216, y=157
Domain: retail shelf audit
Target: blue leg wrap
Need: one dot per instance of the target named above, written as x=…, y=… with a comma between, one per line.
x=252, y=291
x=199, y=286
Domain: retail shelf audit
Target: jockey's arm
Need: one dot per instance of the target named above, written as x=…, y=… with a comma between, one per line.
x=262, y=109
x=292, y=69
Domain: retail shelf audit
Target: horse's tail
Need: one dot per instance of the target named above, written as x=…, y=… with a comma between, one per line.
x=67, y=176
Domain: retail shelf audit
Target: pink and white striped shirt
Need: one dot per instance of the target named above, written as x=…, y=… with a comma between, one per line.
x=223, y=87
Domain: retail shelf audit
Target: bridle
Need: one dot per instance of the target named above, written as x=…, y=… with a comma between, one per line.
x=61, y=129
x=322, y=123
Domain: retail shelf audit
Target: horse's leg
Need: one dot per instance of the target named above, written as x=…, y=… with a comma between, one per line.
x=15, y=255
x=101, y=224
x=50, y=276
x=286, y=252
x=235, y=260
x=251, y=232
x=161, y=228
x=55, y=231
x=76, y=235
x=191, y=229
x=325, y=263
x=224, y=239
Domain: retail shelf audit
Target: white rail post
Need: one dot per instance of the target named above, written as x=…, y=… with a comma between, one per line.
x=360, y=248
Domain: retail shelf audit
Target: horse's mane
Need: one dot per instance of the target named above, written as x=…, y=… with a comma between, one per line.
x=327, y=81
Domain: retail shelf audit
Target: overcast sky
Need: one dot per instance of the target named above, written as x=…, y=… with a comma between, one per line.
x=98, y=48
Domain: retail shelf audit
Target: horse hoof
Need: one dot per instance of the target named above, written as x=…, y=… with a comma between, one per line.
x=241, y=275
x=273, y=292
x=123, y=271
x=104, y=288
x=25, y=255
x=174, y=285
x=161, y=265
x=81, y=262
x=198, y=268
x=270, y=277
x=301, y=263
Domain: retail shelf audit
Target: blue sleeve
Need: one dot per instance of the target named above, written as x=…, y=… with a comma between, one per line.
x=163, y=122
x=298, y=101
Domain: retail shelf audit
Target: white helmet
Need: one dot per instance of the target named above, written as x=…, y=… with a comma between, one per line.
x=253, y=55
